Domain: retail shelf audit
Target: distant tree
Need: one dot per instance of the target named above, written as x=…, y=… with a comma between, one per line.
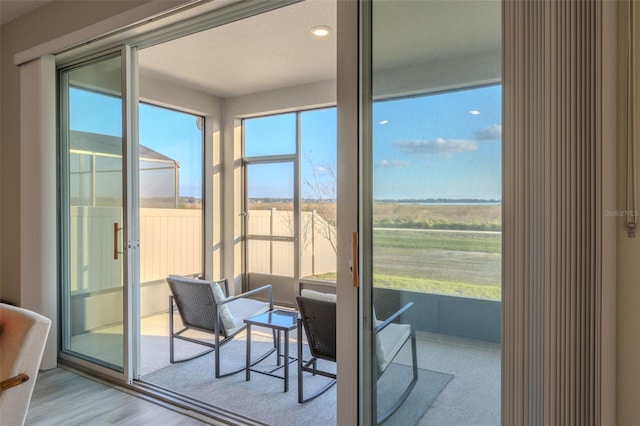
x=321, y=185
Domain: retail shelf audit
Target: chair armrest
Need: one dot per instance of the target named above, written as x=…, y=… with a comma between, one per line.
x=392, y=317
x=266, y=288
x=13, y=381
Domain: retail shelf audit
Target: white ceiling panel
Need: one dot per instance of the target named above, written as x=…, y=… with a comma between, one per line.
x=276, y=49
x=271, y=50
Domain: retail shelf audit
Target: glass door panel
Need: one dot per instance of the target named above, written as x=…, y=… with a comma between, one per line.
x=435, y=205
x=92, y=212
x=270, y=220
x=270, y=199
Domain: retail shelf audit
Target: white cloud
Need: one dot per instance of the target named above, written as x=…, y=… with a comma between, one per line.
x=394, y=164
x=438, y=146
x=489, y=133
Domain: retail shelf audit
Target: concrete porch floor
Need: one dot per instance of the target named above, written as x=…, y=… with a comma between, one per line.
x=471, y=398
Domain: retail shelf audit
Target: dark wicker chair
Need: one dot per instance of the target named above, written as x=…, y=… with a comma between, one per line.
x=318, y=318
x=205, y=306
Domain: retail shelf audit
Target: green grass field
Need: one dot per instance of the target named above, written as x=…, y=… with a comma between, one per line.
x=443, y=249
x=454, y=263
x=426, y=285
x=456, y=241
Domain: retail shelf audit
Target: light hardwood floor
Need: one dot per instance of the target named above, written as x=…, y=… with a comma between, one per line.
x=62, y=397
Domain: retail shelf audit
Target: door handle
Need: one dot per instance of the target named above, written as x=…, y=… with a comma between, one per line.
x=116, y=229
x=354, y=259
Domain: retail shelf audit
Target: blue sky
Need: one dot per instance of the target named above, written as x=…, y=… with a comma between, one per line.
x=276, y=135
x=171, y=133
x=176, y=135
x=438, y=146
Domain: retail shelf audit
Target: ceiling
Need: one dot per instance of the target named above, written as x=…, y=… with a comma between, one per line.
x=271, y=50
x=11, y=9
x=276, y=49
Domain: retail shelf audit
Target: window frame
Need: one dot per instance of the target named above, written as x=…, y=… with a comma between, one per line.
x=296, y=160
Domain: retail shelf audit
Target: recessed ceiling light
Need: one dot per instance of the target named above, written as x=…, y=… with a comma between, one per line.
x=474, y=112
x=320, y=31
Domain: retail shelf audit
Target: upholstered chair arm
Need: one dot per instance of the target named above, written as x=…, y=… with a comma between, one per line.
x=265, y=288
x=392, y=317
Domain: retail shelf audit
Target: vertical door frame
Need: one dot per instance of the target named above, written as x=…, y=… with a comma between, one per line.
x=365, y=191
x=131, y=189
x=351, y=404
x=130, y=244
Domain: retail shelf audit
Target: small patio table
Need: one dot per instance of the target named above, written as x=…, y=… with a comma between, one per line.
x=279, y=320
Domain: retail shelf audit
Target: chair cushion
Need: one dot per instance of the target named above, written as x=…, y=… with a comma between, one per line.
x=244, y=308
x=389, y=341
x=228, y=319
x=312, y=294
x=380, y=350
x=23, y=335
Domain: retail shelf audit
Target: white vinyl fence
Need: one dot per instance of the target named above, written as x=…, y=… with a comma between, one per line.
x=171, y=243
x=318, y=255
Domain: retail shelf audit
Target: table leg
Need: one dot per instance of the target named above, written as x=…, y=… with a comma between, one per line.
x=278, y=352
x=248, y=360
x=299, y=362
x=286, y=360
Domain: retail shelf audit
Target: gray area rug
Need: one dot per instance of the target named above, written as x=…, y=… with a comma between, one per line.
x=426, y=391
x=262, y=398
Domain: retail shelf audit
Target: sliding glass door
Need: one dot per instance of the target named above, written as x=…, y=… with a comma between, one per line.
x=98, y=237
x=431, y=208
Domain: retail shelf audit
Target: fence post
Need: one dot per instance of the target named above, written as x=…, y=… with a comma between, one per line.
x=176, y=186
x=93, y=180
x=272, y=210
x=313, y=243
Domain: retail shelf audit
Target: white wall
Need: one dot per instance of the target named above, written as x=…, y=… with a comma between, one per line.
x=169, y=95
x=37, y=261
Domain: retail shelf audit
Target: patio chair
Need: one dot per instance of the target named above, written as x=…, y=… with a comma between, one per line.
x=390, y=337
x=318, y=318
x=205, y=306
x=23, y=335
